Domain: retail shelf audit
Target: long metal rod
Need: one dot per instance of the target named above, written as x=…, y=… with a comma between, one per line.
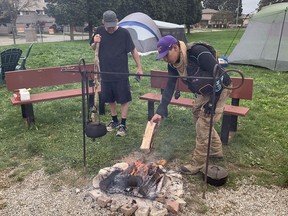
x=210, y=131
x=83, y=82
x=143, y=75
x=174, y=76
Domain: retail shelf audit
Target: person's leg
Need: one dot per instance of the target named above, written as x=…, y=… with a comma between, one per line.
x=123, y=96
x=216, y=144
x=202, y=133
x=200, y=150
x=107, y=96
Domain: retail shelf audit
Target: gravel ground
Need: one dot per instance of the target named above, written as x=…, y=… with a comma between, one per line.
x=40, y=194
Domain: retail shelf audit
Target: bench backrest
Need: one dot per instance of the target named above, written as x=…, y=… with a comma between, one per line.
x=43, y=77
x=245, y=91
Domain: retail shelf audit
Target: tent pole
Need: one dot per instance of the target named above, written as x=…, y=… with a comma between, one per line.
x=283, y=23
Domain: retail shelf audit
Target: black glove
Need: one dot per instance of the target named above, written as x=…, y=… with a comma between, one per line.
x=177, y=94
x=208, y=107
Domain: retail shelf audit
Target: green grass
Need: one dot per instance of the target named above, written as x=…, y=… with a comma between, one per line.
x=259, y=148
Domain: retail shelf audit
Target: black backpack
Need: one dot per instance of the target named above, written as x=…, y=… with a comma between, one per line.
x=208, y=46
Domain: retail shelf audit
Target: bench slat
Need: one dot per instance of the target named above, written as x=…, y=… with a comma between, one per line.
x=235, y=110
x=185, y=102
x=46, y=96
x=188, y=102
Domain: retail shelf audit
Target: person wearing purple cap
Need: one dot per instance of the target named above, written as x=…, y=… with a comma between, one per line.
x=114, y=45
x=188, y=62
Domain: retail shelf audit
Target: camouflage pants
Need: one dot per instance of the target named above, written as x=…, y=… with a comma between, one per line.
x=202, y=124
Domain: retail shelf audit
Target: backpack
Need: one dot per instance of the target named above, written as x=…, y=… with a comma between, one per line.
x=196, y=85
x=208, y=46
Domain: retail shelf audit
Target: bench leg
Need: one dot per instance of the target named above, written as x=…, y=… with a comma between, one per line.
x=150, y=110
x=233, y=123
x=225, y=128
x=28, y=113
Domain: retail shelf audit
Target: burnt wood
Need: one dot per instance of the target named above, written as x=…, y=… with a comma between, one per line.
x=231, y=111
x=47, y=77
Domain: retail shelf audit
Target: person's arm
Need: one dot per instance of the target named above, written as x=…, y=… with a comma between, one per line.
x=167, y=93
x=94, y=40
x=137, y=61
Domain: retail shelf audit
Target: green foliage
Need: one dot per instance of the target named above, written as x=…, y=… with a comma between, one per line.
x=259, y=148
x=213, y=4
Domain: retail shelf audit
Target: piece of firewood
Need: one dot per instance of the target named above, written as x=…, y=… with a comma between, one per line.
x=148, y=137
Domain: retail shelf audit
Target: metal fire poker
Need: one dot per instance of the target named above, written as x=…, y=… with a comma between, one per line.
x=84, y=84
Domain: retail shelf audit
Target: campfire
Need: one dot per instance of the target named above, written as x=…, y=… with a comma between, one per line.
x=140, y=188
x=138, y=179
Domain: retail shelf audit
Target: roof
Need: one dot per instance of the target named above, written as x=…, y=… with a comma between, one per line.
x=209, y=11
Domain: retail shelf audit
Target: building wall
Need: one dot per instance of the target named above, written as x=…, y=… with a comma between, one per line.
x=33, y=19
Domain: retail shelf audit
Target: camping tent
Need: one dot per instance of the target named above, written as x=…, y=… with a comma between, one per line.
x=143, y=30
x=166, y=28
x=265, y=41
x=146, y=32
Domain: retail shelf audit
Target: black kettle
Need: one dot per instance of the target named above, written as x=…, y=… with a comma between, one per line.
x=95, y=129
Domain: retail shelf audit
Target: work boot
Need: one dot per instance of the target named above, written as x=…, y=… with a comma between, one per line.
x=193, y=168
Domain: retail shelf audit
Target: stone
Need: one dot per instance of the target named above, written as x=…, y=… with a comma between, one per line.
x=128, y=209
x=103, y=201
x=142, y=211
x=3, y=203
x=158, y=212
x=94, y=194
x=173, y=206
x=182, y=203
x=77, y=190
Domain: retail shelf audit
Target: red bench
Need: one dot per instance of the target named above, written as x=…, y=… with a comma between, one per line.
x=46, y=77
x=231, y=111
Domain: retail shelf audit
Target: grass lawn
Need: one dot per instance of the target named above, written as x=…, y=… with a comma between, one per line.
x=259, y=148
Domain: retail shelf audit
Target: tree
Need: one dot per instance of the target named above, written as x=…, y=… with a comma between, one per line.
x=224, y=17
x=9, y=11
x=77, y=12
x=213, y=4
x=193, y=13
x=67, y=12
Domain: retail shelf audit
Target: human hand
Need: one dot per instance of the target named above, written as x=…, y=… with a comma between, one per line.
x=156, y=119
x=139, y=72
x=97, y=38
x=208, y=108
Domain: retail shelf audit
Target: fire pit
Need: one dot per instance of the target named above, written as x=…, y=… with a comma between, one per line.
x=138, y=179
x=136, y=186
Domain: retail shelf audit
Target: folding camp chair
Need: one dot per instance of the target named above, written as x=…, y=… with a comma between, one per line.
x=9, y=61
x=23, y=59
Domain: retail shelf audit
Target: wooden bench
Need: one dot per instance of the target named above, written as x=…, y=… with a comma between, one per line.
x=47, y=77
x=231, y=111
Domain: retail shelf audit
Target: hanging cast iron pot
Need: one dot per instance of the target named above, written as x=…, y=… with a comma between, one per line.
x=95, y=130
x=216, y=175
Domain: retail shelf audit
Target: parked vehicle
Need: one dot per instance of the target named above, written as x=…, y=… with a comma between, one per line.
x=57, y=28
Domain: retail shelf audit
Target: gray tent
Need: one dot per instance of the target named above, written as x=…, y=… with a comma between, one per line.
x=265, y=41
x=146, y=32
x=167, y=28
x=143, y=30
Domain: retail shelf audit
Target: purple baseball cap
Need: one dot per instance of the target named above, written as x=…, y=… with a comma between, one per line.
x=164, y=45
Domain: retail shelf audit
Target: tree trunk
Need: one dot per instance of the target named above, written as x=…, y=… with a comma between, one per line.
x=71, y=32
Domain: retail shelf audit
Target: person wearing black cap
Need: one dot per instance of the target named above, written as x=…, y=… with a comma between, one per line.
x=114, y=45
x=187, y=61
